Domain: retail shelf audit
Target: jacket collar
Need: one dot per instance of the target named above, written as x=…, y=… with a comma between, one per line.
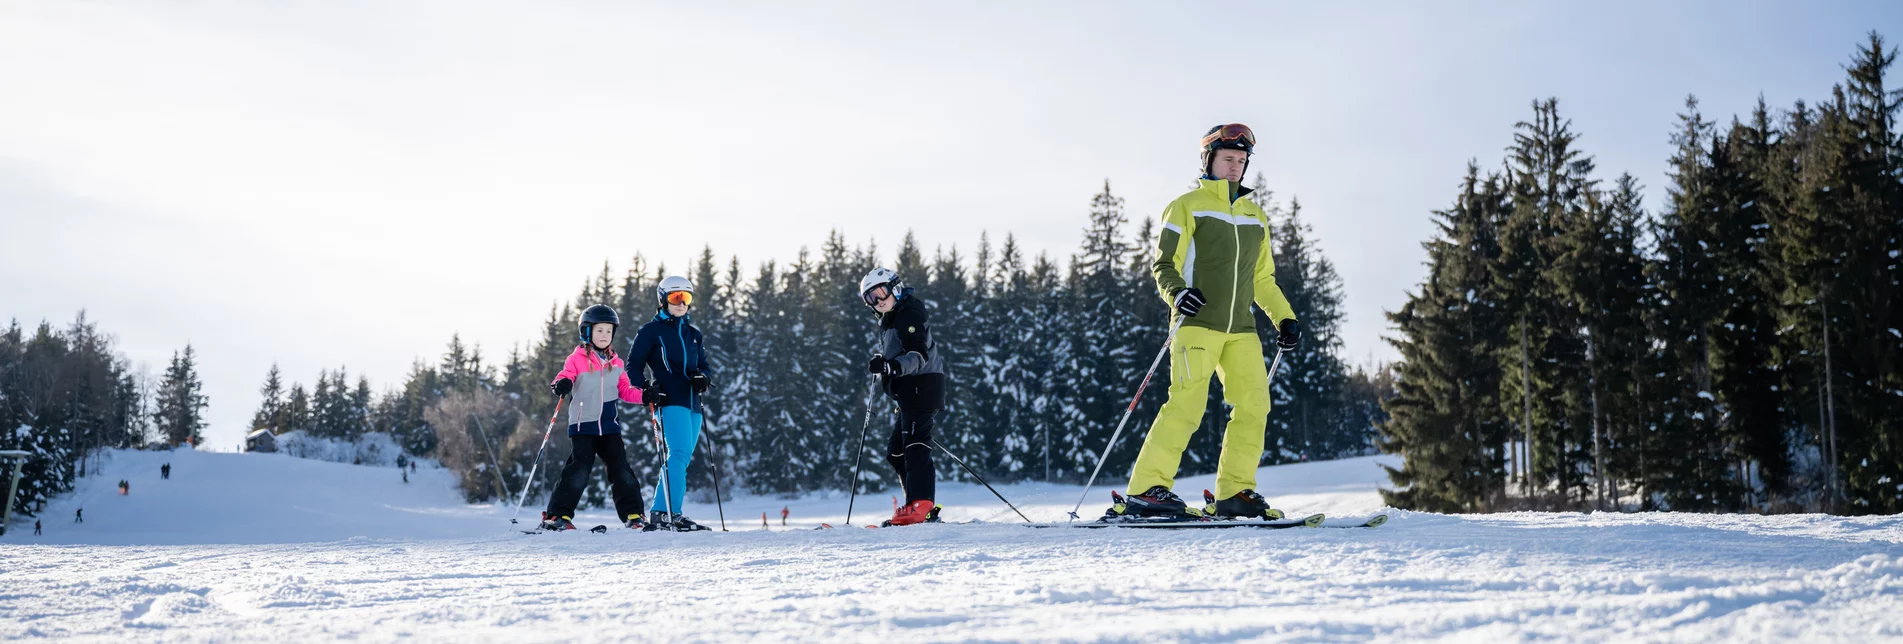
x=1221, y=187
x=900, y=301
x=594, y=356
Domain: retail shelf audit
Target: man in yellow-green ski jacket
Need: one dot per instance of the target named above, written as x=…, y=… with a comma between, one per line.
x=1212, y=262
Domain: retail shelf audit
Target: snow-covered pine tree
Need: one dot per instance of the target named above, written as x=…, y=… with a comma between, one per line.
x=270, y=410
x=181, y=400
x=1446, y=381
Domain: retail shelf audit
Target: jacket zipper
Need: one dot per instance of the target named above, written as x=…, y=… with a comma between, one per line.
x=601, y=395
x=680, y=334
x=1235, y=273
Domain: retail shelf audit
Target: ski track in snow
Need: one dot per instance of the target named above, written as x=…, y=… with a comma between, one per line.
x=318, y=551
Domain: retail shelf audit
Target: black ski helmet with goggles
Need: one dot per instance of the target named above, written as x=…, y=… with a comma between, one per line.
x=1234, y=136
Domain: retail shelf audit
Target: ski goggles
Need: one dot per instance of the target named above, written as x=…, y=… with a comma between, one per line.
x=877, y=294
x=682, y=298
x=1229, y=134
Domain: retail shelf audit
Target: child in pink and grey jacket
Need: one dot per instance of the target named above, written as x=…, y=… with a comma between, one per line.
x=594, y=379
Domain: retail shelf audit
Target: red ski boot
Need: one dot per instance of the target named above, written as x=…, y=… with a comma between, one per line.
x=913, y=513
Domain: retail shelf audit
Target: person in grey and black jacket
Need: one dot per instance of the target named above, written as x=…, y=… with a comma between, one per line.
x=913, y=373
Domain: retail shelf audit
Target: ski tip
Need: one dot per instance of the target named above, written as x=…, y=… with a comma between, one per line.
x=1376, y=521
x=1314, y=520
x=824, y=526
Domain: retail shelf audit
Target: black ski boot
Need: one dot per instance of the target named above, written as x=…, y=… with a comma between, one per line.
x=684, y=524
x=554, y=523
x=1156, y=503
x=659, y=522
x=1244, y=505
x=635, y=522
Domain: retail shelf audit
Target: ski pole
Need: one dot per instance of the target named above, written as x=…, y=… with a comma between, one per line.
x=1126, y=414
x=872, y=393
x=654, y=418
x=538, y=458
x=713, y=458
x=1275, y=365
x=981, y=480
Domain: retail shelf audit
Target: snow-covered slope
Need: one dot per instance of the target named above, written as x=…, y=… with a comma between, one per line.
x=224, y=497
x=267, y=547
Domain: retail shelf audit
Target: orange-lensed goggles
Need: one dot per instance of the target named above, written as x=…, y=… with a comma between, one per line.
x=1231, y=132
x=682, y=298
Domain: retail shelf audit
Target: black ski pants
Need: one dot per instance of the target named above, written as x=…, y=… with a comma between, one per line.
x=910, y=453
x=581, y=464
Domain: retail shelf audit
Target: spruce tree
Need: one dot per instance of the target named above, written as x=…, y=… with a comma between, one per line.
x=271, y=409
x=1689, y=473
x=1550, y=179
x=181, y=400
x=1443, y=414
x=1309, y=420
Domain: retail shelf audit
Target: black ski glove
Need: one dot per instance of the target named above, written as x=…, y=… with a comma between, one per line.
x=879, y=366
x=1189, y=301
x=699, y=382
x=654, y=397
x=562, y=387
x=1290, y=335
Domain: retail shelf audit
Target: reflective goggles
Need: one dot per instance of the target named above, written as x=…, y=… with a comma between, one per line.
x=1231, y=132
x=682, y=298
x=877, y=294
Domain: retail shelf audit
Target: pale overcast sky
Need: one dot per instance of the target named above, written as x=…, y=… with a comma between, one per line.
x=348, y=183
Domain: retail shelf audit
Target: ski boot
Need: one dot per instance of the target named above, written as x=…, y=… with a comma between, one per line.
x=684, y=524
x=659, y=522
x=916, y=512
x=553, y=523
x=635, y=522
x=1244, y=505
x=1157, y=503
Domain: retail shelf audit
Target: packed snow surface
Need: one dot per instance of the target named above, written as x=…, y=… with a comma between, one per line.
x=268, y=547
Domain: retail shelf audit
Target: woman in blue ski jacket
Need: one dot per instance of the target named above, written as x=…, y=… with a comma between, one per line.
x=670, y=347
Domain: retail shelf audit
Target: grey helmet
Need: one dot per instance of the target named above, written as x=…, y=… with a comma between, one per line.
x=879, y=277
x=673, y=284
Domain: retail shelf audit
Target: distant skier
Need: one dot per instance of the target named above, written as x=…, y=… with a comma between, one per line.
x=36, y=527
x=596, y=378
x=669, y=346
x=79, y=515
x=913, y=374
x=165, y=471
x=1212, y=261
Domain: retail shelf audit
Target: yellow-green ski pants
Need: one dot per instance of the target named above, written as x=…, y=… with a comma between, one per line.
x=1237, y=359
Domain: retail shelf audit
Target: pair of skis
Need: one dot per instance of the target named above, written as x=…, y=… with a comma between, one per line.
x=1310, y=521
x=600, y=529
x=1208, y=519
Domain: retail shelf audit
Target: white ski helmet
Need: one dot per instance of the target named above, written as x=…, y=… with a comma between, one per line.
x=673, y=284
x=879, y=277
